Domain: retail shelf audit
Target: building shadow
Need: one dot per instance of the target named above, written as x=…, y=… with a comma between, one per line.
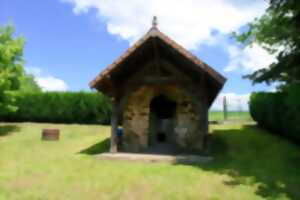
x=6, y=130
x=251, y=156
x=100, y=147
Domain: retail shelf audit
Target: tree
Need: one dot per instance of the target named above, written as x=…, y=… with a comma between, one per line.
x=11, y=66
x=278, y=31
x=28, y=84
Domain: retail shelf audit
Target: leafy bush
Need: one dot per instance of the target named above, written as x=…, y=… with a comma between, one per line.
x=278, y=112
x=60, y=107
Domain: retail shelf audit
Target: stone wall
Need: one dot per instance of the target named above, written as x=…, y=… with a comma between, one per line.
x=188, y=130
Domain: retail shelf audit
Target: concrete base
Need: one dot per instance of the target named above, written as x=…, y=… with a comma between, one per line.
x=155, y=158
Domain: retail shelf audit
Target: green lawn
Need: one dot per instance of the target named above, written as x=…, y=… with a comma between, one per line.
x=249, y=164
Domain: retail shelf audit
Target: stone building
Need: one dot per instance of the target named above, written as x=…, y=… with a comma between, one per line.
x=160, y=95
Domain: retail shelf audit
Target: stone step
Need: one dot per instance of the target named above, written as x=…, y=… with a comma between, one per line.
x=154, y=158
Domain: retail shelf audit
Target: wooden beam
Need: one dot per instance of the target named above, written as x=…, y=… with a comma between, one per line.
x=114, y=126
x=177, y=73
x=156, y=57
x=156, y=80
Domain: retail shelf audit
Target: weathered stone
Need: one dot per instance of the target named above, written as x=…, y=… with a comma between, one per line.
x=186, y=123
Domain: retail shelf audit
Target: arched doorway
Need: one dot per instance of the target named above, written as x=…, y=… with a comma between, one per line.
x=162, y=120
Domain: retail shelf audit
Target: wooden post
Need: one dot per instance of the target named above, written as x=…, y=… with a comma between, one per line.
x=203, y=114
x=204, y=104
x=205, y=118
x=225, y=108
x=114, y=126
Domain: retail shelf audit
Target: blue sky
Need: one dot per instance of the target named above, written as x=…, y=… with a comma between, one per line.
x=69, y=42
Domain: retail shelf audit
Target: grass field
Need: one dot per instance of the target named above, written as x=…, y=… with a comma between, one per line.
x=231, y=115
x=249, y=164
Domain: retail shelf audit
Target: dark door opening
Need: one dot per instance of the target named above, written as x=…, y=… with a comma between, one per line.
x=162, y=112
x=161, y=137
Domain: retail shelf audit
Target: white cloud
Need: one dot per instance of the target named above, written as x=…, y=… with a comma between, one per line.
x=50, y=83
x=235, y=102
x=46, y=81
x=248, y=59
x=189, y=22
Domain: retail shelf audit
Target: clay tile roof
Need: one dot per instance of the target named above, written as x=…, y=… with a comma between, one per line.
x=155, y=32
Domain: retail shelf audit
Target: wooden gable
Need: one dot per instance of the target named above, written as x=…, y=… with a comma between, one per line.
x=158, y=49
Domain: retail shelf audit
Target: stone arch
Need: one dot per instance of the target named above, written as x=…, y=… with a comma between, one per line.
x=136, y=112
x=162, y=118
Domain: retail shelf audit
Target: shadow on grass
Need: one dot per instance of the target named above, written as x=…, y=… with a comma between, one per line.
x=8, y=129
x=250, y=156
x=100, y=147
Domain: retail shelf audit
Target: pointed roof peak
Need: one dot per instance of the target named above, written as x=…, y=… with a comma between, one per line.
x=154, y=22
x=153, y=31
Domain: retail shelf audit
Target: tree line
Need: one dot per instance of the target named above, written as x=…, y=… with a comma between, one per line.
x=21, y=99
x=277, y=31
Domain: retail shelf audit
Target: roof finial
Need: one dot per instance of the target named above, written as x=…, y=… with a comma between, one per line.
x=154, y=22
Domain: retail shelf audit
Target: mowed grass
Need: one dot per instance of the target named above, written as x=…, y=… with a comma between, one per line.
x=231, y=115
x=249, y=164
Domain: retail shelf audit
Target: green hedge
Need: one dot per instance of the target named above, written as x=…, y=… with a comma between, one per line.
x=60, y=107
x=278, y=112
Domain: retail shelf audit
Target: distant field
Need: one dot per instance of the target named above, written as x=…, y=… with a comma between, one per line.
x=232, y=115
